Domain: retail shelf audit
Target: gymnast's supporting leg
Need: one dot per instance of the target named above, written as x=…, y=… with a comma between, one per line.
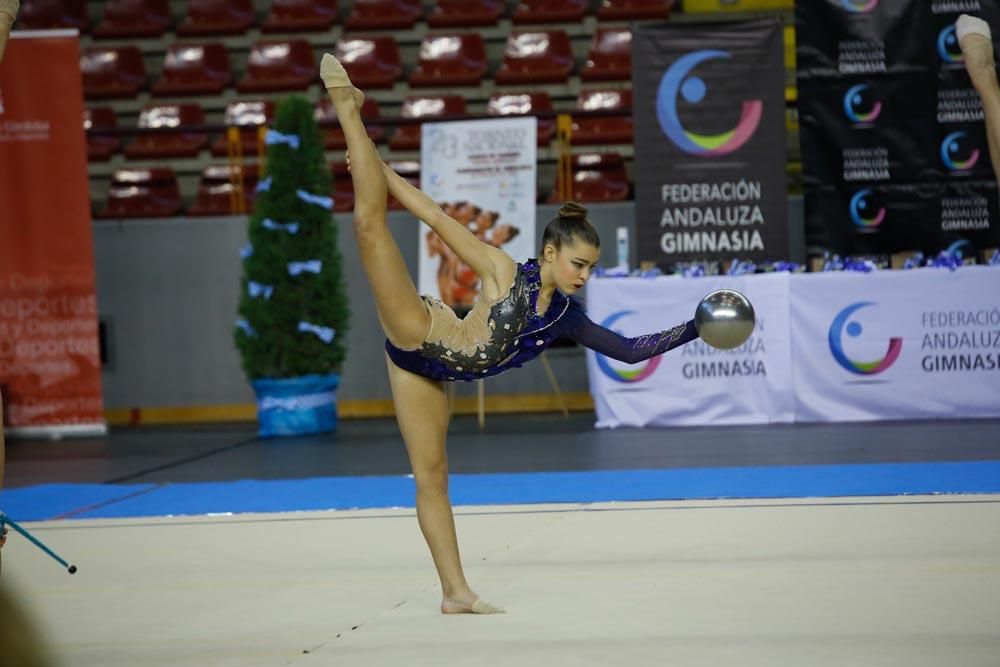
x=423, y=414
x=977, y=46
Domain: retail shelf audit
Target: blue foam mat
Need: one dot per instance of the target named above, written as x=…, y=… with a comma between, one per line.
x=50, y=501
x=98, y=501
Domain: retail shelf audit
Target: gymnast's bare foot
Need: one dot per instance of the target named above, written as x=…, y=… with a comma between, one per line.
x=468, y=603
x=977, y=46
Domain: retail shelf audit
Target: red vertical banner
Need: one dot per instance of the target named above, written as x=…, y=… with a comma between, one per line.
x=49, y=351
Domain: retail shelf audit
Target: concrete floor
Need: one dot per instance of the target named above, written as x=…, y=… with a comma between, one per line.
x=840, y=582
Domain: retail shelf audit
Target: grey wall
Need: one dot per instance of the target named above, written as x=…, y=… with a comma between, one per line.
x=168, y=292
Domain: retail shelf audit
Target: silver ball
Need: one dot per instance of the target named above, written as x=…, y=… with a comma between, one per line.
x=724, y=319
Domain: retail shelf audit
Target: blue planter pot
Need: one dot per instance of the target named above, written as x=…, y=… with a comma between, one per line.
x=296, y=406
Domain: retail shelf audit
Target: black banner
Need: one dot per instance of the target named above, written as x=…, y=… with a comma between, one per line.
x=894, y=148
x=710, y=141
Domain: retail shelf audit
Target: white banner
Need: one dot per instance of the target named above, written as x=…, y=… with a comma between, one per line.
x=897, y=344
x=694, y=384
x=483, y=174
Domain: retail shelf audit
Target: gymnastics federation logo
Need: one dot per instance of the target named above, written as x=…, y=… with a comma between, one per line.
x=621, y=375
x=860, y=6
x=855, y=100
x=865, y=212
x=854, y=329
x=948, y=47
x=952, y=147
x=676, y=82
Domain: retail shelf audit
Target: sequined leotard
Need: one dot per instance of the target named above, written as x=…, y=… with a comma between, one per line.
x=507, y=332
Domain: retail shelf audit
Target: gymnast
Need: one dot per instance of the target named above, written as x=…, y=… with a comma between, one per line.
x=521, y=309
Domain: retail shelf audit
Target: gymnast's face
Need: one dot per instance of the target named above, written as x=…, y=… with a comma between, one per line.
x=572, y=265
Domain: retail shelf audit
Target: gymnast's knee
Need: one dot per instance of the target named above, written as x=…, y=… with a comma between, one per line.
x=431, y=478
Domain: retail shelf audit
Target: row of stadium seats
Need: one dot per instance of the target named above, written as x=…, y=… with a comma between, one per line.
x=537, y=57
x=154, y=192
x=187, y=141
x=152, y=18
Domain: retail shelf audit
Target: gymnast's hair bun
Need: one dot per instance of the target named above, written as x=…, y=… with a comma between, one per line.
x=573, y=211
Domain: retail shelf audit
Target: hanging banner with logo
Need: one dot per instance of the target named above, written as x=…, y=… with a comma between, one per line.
x=837, y=346
x=483, y=174
x=710, y=149
x=693, y=384
x=912, y=344
x=894, y=150
x=49, y=357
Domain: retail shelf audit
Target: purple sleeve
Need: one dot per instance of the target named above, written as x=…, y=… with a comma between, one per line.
x=631, y=350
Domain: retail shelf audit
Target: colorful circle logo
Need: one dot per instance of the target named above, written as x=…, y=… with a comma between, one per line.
x=857, y=98
x=676, y=82
x=948, y=47
x=622, y=375
x=864, y=212
x=860, y=6
x=854, y=329
x=952, y=147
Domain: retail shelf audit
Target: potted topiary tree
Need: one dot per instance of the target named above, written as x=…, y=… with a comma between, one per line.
x=293, y=310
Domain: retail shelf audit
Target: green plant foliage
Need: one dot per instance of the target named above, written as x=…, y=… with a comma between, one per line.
x=272, y=346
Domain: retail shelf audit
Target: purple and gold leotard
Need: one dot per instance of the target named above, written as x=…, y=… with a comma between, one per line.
x=507, y=332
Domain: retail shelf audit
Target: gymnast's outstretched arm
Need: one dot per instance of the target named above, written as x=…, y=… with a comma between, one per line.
x=485, y=260
x=632, y=350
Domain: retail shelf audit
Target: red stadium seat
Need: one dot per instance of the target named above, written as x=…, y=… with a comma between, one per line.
x=284, y=65
x=550, y=11
x=536, y=57
x=384, y=15
x=216, y=191
x=247, y=116
x=603, y=130
x=333, y=136
x=300, y=15
x=343, y=188
x=407, y=137
x=133, y=18
x=110, y=72
x=142, y=193
x=598, y=177
x=634, y=10
x=371, y=62
x=465, y=13
x=508, y=104
x=450, y=60
x=194, y=69
x=49, y=14
x=217, y=17
x=410, y=171
x=168, y=145
x=100, y=147
x=610, y=56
